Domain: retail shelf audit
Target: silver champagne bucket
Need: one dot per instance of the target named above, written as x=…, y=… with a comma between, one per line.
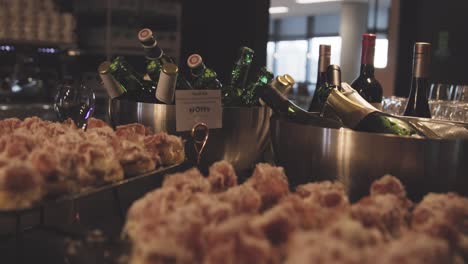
x=242, y=140
x=310, y=153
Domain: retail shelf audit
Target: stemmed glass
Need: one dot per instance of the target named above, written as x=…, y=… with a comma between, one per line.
x=76, y=101
x=459, y=109
x=440, y=95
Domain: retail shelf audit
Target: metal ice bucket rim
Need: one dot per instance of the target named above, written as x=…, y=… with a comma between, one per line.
x=381, y=135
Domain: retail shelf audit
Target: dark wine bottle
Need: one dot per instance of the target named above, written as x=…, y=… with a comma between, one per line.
x=323, y=62
x=366, y=119
x=333, y=75
x=417, y=104
x=366, y=84
x=284, y=108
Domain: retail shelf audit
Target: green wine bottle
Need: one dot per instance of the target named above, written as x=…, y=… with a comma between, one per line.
x=131, y=81
x=232, y=93
x=203, y=77
x=284, y=108
x=367, y=119
x=156, y=58
x=250, y=96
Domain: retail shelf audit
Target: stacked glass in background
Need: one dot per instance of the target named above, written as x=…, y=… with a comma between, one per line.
x=446, y=101
x=25, y=20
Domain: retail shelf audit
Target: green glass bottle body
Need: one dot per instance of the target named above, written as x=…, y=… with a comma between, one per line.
x=232, y=93
x=286, y=109
x=250, y=97
x=366, y=119
x=137, y=89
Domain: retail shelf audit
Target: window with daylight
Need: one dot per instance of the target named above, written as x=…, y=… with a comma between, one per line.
x=290, y=58
x=334, y=42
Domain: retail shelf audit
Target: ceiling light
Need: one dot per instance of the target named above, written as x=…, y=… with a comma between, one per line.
x=278, y=9
x=315, y=1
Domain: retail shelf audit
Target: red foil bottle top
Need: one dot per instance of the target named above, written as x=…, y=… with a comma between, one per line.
x=368, y=48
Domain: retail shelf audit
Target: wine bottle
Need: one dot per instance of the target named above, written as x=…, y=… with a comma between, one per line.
x=284, y=108
x=232, y=93
x=113, y=88
x=323, y=62
x=333, y=75
x=203, y=77
x=136, y=87
x=366, y=119
x=167, y=83
x=250, y=96
x=366, y=84
x=417, y=104
x=156, y=58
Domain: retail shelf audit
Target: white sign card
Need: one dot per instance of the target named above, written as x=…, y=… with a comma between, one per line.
x=195, y=106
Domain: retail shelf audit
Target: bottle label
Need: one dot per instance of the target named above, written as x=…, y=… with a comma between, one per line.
x=198, y=106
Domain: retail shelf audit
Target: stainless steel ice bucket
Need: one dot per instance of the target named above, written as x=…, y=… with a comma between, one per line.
x=310, y=153
x=241, y=141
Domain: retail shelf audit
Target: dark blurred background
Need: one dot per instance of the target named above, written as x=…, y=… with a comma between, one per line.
x=43, y=42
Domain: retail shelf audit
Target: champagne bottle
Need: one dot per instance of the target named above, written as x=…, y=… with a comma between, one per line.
x=323, y=62
x=232, y=93
x=204, y=78
x=284, y=108
x=333, y=75
x=417, y=104
x=113, y=88
x=250, y=96
x=136, y=87
x=156, y=58
x=167, y=83
x=366, y=84
x=367, y=119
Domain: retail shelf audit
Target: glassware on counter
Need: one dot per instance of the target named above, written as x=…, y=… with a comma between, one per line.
x=75, y=101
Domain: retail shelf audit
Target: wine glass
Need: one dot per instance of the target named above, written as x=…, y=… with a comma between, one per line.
x=459, y=107
x=76, y=101
x=439, y=98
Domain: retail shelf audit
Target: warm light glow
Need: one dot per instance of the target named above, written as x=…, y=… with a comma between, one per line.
x=278, y=9
x=315, y=1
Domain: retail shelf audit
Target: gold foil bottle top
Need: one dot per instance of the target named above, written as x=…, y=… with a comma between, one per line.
x=289, y=79
x=170, y=69
x=104, y=67
x=282, y=80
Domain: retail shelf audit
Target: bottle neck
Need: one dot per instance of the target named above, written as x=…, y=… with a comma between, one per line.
x=198, y=71
x=321, y=78
x=367, y=70
x=277, y=101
